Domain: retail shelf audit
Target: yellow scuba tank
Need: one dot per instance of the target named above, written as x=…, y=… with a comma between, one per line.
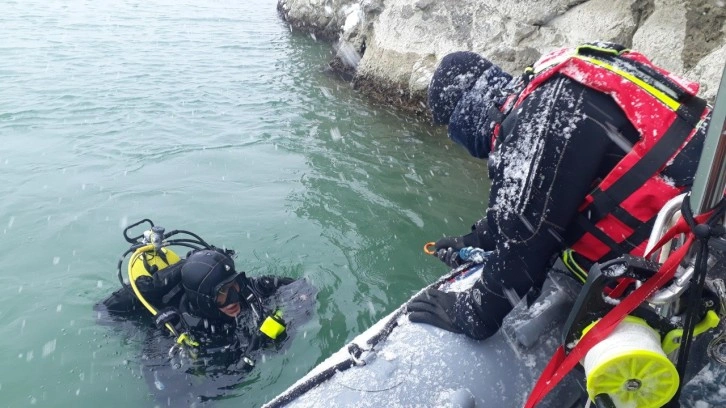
x=151, y=255
x=149, y=262
x=146, y=261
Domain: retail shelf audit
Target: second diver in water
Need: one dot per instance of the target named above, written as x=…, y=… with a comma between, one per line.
x=219, y=317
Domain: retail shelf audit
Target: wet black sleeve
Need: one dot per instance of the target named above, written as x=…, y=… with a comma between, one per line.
x=480, y=236
x=556, y=146
x=121, y=302
x=267, y=285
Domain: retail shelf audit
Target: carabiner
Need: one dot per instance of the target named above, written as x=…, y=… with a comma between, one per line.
x=427, y=247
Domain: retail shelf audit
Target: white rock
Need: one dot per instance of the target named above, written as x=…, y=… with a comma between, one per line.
x=405, y=39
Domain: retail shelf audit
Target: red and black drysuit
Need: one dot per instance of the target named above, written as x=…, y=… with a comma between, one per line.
x=583, y=157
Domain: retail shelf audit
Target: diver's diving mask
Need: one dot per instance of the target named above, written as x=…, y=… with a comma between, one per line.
x=228, y=293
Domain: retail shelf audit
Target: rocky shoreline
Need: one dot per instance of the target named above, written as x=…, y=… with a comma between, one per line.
x=390, y=48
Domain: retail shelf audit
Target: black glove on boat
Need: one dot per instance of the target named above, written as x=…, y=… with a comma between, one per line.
x=435, y=308
x=450, y=257
x=459, y=312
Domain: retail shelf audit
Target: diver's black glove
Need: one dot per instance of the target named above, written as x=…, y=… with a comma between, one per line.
x=459, y=313
x=267, y=285
x=168, y=315
x=447, y=250
x=435, y=308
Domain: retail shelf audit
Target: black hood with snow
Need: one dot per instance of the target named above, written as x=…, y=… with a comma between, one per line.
x=466, y=92
x=456, y=74
x=203, y=274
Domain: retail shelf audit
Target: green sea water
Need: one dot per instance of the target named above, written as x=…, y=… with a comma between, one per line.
x=215, y=117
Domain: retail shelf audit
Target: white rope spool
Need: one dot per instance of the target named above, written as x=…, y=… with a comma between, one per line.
x=631, y=367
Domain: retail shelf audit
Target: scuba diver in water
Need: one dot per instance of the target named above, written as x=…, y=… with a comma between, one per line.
x=218, y=317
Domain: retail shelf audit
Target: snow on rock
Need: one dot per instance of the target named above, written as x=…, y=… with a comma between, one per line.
x=390, y=48
x=661, y=35
x=710, y=66
x=354, y=15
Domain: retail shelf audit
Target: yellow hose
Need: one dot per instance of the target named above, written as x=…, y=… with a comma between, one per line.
x=184, y=337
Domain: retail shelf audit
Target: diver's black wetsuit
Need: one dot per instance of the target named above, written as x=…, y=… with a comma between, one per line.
x=223, y=340
x=551, y=151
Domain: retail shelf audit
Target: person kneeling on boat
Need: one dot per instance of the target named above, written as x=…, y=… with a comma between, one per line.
x=584, y=149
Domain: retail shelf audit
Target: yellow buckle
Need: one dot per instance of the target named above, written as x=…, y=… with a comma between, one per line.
x=672, y=340
x=186, y=340
x=273, y=326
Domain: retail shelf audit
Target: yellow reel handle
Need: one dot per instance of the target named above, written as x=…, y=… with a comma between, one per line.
x=672, y=339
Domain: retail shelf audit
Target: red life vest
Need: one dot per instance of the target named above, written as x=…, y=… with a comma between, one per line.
x=617, y=216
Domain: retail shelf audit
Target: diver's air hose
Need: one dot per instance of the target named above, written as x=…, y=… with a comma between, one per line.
x=181, y=338
x=253, y=303
x=121, y=261
x=139, y=252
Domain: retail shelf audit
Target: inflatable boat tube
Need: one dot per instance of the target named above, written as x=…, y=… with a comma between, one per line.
x=400, y=363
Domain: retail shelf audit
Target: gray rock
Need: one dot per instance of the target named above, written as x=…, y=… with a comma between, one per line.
x=424, y=4
x=393, y=46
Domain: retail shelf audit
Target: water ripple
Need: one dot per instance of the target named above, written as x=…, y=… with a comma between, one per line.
x=209, y=116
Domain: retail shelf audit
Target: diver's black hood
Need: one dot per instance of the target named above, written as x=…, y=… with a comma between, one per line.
x=203, y=274
x=455, y=75
x=466, y=92
x=475, y=116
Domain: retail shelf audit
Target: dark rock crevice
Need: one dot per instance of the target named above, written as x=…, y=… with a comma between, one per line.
x=641, y=9
x=392, y=94
x=704, y=30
